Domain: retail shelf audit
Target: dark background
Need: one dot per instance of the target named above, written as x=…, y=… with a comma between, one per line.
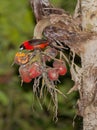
x=19, y=108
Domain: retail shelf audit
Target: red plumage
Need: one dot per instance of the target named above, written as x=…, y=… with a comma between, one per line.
x=34, y=44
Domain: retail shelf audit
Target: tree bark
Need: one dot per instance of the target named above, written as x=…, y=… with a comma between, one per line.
x=89, y=14
x=88, y=88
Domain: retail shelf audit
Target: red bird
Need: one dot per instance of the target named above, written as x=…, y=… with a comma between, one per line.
x=34, y=44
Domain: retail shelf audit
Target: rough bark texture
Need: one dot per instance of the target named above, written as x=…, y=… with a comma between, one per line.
x=89, y=14
x=65, y=29
x=88, y=88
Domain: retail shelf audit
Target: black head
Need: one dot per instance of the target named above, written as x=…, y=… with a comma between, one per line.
x=22, y=47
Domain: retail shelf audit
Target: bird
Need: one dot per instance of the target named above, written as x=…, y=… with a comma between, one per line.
x=34, y=44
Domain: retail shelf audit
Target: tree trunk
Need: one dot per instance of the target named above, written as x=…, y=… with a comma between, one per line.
x=89, y=14
x=88, y=88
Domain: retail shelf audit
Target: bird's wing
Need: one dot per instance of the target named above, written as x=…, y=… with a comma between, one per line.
x=37, y=41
